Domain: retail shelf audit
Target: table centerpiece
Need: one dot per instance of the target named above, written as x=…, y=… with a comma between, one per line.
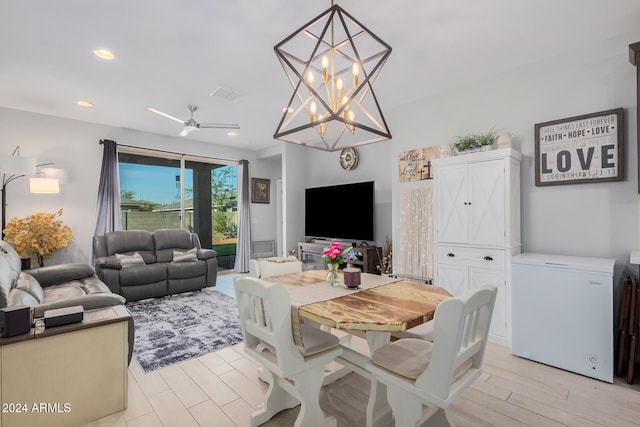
x=335, y=255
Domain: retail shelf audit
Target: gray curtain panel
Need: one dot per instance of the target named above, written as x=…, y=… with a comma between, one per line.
x=243, y=249
x=108, y=215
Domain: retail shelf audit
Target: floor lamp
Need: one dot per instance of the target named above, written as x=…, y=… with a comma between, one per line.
x=12, y=168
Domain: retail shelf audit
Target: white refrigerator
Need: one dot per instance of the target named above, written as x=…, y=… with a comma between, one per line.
x=562, y=312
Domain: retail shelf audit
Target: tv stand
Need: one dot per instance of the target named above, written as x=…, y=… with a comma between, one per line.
x=370, y=259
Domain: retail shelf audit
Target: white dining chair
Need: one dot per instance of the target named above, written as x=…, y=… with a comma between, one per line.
x=423, y=331
x=423, y=377
x=295, y=374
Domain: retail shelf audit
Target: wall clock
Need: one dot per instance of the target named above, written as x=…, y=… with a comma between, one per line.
x=349, y=159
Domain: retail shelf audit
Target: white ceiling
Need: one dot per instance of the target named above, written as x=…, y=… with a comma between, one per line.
x=171, y=53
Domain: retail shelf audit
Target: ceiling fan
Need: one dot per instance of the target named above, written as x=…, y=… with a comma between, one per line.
x=191, y=124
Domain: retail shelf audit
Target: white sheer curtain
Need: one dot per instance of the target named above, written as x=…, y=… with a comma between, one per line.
x=243, y=248
x=416, y=222
x=108, y=209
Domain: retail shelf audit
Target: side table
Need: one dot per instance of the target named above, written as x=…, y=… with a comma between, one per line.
x=66, y=375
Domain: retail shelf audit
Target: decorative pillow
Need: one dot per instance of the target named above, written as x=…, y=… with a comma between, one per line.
x=185, y=256
x=130, y=260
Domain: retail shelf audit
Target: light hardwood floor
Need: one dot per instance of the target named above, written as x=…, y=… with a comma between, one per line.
x=221, y=389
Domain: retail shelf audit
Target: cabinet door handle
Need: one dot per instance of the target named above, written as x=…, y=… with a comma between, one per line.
x=488, y=258
x=451, y=255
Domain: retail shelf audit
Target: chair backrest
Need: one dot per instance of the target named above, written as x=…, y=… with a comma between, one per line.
x=460, y=331
x=265, y=318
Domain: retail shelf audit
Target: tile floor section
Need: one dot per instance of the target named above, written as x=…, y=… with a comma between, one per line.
x=221, y=389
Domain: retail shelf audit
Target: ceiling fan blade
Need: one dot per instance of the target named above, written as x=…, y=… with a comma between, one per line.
x=168, y=116
x=219, y=126
x=187, y=130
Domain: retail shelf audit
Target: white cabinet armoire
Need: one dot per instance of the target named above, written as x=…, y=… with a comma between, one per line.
x=477, y=226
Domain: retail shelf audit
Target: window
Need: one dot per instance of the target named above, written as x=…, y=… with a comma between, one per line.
x=153, y=196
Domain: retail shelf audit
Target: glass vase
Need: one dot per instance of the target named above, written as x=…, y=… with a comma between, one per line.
x=332, y=275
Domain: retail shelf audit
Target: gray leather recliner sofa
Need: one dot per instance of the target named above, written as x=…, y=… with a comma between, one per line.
x=56, y=286
x=173, y=261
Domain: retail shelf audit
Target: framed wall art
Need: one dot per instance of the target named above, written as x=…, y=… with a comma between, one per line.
x=581, y=149
x=260, y=190
x=415, y=165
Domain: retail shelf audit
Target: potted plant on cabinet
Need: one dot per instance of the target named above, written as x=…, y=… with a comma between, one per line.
x=475, y=142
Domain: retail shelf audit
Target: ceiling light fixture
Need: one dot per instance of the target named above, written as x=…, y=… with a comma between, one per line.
x=104, y=54
x=86, y=104
x=332, y=62
x=232, y=133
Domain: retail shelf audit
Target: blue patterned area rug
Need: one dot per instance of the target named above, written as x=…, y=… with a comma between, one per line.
x=181, y=326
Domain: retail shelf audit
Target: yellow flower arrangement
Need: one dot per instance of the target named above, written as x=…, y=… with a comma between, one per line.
x=38, y=236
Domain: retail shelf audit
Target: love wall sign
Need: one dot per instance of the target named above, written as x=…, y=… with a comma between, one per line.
x=580, y=149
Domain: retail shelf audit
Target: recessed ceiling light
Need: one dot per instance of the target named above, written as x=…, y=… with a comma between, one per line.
x=85, y=104
x=232, y=133
x=104, y=54
x=288, y=110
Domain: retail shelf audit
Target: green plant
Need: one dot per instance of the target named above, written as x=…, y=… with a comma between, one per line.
x=475, y=140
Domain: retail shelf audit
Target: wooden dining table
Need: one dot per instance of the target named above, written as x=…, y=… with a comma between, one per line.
x=383, y=305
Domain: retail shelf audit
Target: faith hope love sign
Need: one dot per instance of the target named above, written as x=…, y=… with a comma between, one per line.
x=581, y=149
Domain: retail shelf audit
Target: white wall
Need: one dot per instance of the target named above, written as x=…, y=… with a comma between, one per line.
x=73, y=145
x=598, y=219
x=263, y=216
x=294, y=172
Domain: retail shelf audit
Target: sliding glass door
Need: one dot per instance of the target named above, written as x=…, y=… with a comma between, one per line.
x=169, y=190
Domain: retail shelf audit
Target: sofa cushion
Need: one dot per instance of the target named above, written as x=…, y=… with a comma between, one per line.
x=64, y=291
x=92, y=285
x=60, y=273
x=130, y=241
x=185, y=256
x=168, y=240
x=184, y=270
x=142, y=275
x=127, y=261
x=88, y=292
x=30, y=285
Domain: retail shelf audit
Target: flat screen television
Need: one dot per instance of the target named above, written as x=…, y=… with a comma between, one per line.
x=340, y=211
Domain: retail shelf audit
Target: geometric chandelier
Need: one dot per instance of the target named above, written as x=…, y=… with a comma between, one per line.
x=332, y=62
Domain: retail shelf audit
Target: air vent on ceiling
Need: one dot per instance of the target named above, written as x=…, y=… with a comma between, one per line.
x=227, y=93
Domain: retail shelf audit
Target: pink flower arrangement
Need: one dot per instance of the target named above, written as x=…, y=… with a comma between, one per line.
x=336, y=253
